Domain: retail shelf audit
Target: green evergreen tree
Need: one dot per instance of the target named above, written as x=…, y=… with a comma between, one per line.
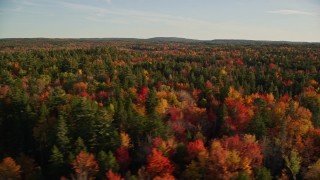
x=262, y=174
x=155, y=127
x=151, y=102
x=57, y=98
x=107, y=161
x=137, y=127
x=41, y=131
x=313, y=104
x=120, y=115
x=84, y=112
x=257, y=126
x=79, y=146
x=242, y=176
x=106, y=135
x=56, y=157
x=62, y=134
x=222, y=113
x=57, y=166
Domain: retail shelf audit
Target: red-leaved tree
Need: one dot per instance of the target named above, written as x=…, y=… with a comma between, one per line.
x=158, y=165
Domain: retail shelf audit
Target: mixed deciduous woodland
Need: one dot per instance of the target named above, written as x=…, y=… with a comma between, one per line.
x=134, y=109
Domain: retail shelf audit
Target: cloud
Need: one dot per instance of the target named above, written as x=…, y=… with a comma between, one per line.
x=292, y=12
x=150, y=24
x=94, y=13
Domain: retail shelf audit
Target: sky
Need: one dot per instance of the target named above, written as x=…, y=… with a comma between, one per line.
x=290, y=20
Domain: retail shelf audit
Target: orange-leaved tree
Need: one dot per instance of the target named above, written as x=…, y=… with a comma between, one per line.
x=247, y=147
x=194, y=148
x=9, y=169
x=239, y=113
x=113, y=176
x=159, y=165
x=232, y=156
x=85, y=165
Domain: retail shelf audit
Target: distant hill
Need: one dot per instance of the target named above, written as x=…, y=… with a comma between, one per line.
x=225, y=41
x=253, y=42
x=173, y=39
x=155, y=39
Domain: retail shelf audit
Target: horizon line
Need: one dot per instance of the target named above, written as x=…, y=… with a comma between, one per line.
x=160, y=37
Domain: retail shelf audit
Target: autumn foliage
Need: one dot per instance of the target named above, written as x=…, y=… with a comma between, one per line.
x=9, y=169
x=230, y=156
x=159, y=165
x=122, y=156
x=194, y=148
x=109, y=109
x=85, y=165
x=113, y=176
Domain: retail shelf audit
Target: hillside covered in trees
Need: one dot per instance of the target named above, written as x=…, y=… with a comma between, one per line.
x=140, y=109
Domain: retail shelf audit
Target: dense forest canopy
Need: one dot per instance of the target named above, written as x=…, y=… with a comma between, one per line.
x=142, y=109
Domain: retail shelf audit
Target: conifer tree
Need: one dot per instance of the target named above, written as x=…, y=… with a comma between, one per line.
x=151, y=102
x=62, y=134
x=56, y=157
x=79, y=146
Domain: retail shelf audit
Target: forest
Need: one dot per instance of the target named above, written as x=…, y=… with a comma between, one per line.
x=137, y=109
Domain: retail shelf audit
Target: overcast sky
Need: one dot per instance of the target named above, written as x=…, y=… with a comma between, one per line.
x=292, y=20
